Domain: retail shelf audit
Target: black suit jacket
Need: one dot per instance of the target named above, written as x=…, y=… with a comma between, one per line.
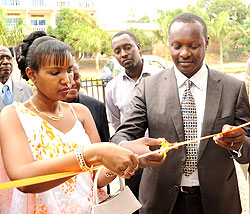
x=156, y=106
x=98, y=111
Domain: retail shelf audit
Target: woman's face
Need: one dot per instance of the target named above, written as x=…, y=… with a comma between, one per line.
x=54, y=80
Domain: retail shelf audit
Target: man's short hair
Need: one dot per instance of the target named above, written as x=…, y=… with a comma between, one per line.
x=189, y=18
x=132, y=36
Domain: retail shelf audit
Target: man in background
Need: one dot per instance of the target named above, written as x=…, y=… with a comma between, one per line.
x=10, y=91
x=119, y=91
x=96, y=107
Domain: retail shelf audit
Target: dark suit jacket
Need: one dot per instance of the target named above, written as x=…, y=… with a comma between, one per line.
x=21, y=92
x=98, y=111
x=156, y=106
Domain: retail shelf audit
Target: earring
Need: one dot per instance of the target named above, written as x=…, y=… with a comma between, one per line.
x=34, y=90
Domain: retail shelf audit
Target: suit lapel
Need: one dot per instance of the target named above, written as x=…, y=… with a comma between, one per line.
x=173, y=103
x=214, y=91
x=17, y=91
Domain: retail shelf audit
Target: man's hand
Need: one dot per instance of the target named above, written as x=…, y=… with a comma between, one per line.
x=232, y=140
x=141, y=146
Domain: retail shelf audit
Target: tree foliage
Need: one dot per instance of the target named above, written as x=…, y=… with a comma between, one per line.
x=237, y=9
x=227, y=21
x=144, y=19
x=219, y=30
x=163, y=21
x=236, y=40
x=10, y=35
x=145, y=40
x=80, y=30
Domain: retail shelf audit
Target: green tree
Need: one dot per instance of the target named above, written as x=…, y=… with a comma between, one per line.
x=144, y=19
x=219, y=29
x=237, y=9
x=17, y=32
x=80, y=30
x=163, y=20
x=145, y=40
x=3, y=27
x=10, y=35
x=237, y=42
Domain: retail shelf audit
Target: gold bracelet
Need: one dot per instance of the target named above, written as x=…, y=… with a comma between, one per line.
x=80, y=159
x=108, y=174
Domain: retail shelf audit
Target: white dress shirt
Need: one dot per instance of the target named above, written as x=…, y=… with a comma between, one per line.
x=119, y=92
x=199, y=91
x=8, y=83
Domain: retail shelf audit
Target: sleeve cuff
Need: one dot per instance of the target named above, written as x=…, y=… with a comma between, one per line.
x=119, y=144
x=236, y=153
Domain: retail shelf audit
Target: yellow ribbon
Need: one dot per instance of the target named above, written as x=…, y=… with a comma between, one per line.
x=44, y=178
x=40, y=179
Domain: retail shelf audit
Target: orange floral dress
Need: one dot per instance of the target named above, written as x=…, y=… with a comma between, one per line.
x=73, y=196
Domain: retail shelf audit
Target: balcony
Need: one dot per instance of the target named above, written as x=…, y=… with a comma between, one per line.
x=24, y=4
x=48, y=4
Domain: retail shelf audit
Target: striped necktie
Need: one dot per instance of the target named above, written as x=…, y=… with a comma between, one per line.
x=6, y=95
x=189, y=116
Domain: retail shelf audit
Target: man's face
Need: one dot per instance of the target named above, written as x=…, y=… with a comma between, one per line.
x=127, y=53
x=187, y=47
x=75, y=88
x=6, y=65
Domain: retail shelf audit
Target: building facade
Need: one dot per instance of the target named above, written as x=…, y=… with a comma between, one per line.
x=40, y=14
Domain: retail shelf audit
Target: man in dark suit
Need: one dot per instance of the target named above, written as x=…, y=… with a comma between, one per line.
x=208, y=184
x=96, y=107
x=18, y=91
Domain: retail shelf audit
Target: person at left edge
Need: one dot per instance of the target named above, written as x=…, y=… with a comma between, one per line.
x=96, y=107
x=19, y=91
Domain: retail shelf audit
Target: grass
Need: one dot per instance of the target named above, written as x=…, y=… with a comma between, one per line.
x=232, y=67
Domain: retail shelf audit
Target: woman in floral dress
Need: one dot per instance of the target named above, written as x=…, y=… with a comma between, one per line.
x=45, y=136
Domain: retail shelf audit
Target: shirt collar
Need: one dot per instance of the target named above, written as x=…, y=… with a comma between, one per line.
x=199, y=79
x=145, y=71
x=8, y=83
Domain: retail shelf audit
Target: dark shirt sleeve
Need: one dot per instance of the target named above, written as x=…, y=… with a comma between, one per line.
x=104, y=130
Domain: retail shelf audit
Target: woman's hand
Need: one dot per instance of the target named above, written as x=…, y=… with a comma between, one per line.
x=119, y=160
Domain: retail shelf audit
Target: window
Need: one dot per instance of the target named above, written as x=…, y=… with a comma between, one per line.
x=11, y=2
x=63, y=3
x=38, y=2
x=13, y=21
x=38, y=22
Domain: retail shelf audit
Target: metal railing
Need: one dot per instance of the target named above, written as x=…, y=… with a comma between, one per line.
x=94, y=88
